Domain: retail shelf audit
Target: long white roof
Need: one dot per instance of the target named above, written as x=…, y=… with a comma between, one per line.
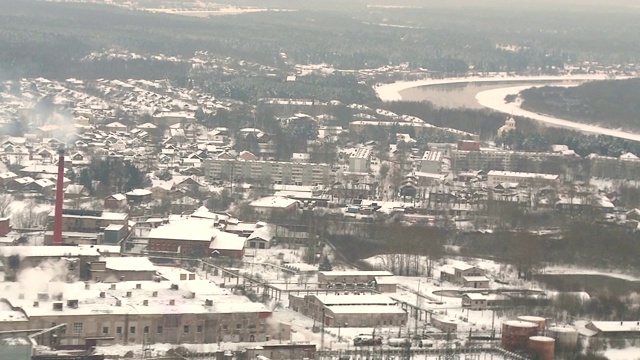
x=131, y=263
x=185, y=228
x=90, y=302
x=48, y=251
x=367, y=309
x=368, y=299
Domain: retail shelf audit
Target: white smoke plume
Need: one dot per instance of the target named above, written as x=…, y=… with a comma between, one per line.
x=48, y=277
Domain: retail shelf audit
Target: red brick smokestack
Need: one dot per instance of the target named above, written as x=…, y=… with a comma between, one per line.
x=57, y=219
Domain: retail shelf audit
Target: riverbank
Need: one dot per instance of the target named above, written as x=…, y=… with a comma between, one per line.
x=494, y=99
x=391, y=92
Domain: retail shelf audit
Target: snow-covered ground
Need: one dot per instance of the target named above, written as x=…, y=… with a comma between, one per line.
x=494, y=99
x=391, y=92
x=566, y=270
x=630, y=353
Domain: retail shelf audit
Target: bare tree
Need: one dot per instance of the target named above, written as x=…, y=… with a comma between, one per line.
x=29, y=217
x=5, y=204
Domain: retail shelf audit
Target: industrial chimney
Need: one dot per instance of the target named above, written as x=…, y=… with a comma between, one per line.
x=57, y=219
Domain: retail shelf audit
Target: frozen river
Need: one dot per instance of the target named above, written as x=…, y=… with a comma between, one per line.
x=482, y=92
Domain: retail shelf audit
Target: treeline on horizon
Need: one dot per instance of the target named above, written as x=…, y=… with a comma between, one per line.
x=47, y=39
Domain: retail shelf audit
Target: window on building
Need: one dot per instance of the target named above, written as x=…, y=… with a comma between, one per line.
x=119, y=330
x=225, y=327
x=199, y=328
x=186, y=329
x=159, y=330
x=238, y=326
x=132, y=330
x=146, y=329
x=105, y=330
x=77, y=328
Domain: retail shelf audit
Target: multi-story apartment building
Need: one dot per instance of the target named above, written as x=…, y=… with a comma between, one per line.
x=431, y=162
x=259, y=170
x=360, y=160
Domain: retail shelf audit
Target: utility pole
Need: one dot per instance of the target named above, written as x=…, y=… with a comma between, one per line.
x=322, y=333
x=417, y=309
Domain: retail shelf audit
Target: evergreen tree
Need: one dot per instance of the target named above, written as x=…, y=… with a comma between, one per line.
x=326, y=265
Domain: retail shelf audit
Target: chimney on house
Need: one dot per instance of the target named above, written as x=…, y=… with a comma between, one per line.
x=57, y=217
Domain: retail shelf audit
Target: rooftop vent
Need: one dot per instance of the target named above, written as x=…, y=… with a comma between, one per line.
x=43, y=296
x=128, y=293
x=154, y=294
x=172, y=302
x=118, y=302
x=145, y=302
x=57, y=306
x=72, y=304
x=58, y=297
x=138, y=286
x=208, y=302
x=174, y=286
x=102, y=294
x=113, y=287
x=87, y=286
x=36, y=304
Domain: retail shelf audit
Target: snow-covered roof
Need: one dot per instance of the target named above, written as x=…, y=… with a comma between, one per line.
x=386, y=280
x=227, y=241
x=264, y=233
x=48, y=251
x=356, y=273
x=118, y=197
x=273, y=202
x=523, y=175
x=133, y=263
x=365, y=299
x=139, y=192
x=369, y=309
x=617, y=326
x=475, y=296
x=185, y=228
x=475, y=278
x=89, y=303
x=628, y=156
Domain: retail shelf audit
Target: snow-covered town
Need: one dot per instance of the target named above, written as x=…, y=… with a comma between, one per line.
x=158, y=202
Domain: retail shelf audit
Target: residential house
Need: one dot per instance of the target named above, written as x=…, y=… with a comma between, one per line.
x=115, y=201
